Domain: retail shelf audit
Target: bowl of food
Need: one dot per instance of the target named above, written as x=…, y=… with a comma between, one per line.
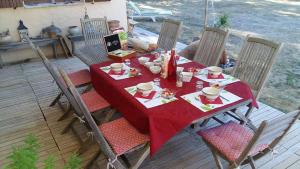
x=157, y=62
x=143, y=60
x=116, y=67
x=167, y=94
x=180, y=69
x=155, y=69
x=134, y=72
x=187, y=76
x=215, y=71
x=194, y=70
x=149, y=64
x=145, y=88
x=211, y=93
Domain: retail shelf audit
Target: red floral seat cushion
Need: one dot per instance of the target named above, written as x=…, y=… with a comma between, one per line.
x=122, y=136
x=230, y=139
x=94, y=101
x=80, y=77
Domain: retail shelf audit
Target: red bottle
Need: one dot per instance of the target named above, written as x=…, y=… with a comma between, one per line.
x=172, y=66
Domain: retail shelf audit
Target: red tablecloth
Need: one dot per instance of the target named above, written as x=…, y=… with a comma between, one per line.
x=161, y=122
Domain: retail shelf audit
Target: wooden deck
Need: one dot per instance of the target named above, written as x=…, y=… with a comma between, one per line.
x=27, y=89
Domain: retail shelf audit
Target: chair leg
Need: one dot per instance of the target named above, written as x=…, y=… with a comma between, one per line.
x=245, y=120
x=68, y=127
x=126, y=161
x=109, y=115
x=251, y=161
x=66, y=113
x=142, y=157
x=233, y=166
x=204, y=123
x=217, y=159
x=249, y=111
x=90, y=163
x=56, y=99
x=85, y=146
x=88, y=88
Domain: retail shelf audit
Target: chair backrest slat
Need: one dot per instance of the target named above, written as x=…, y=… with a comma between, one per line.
x=270, y=133
x=168, y=34
x=105, y=148
x=255, y=62
x=94, y=30
x=277, y=127
x=92, y=54
x=211, y=46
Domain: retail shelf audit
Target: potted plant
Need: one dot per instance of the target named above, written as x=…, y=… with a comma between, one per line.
x=223, y=23
x=26, y=156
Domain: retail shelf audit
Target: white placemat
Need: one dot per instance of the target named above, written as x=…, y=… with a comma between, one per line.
x=225, y=96
x=126, y=74
x=157, y=100
x=182, y=60
x=223, y=82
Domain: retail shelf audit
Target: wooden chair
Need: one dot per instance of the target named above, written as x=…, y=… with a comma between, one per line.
x=255, y=61
x=253, y=67
x=211, y=46
x=94, y=103
x=168, y=34
x=111, y=137
x=239, y=146
x=80, y=78
x=92, y=54
x=63, y=90
x=94, y=30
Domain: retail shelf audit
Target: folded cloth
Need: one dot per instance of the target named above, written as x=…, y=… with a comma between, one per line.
x=140, y=95
x=210, y=76
x=204, y=100
x=111, y=72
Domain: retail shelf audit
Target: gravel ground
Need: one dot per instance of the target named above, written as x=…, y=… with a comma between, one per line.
x=277, y=20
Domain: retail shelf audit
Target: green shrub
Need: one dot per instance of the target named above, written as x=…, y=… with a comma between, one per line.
x=223, y=21
x=26, y=157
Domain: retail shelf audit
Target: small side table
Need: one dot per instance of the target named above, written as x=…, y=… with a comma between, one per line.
x=23, y=45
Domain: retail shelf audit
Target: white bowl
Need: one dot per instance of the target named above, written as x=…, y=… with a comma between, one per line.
x=157, y=62
x=187, y=76
x=211, y=93
x=143, y=60
x=145, y=88
x=180, y=69
x=214, y=71
x=155, y=69
x=149, y=64
x=116, y=67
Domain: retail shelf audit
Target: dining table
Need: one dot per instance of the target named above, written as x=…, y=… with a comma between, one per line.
x=164, y=118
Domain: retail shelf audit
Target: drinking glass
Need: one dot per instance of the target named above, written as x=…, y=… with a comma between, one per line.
x=199, y=86
x=157, y=82
x=212, y=83
x=127, y=62
x=157, y=55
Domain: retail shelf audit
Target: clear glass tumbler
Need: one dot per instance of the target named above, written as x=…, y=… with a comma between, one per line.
x=157, y=82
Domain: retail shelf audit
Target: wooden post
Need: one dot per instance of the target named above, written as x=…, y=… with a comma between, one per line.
x=205, y=14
